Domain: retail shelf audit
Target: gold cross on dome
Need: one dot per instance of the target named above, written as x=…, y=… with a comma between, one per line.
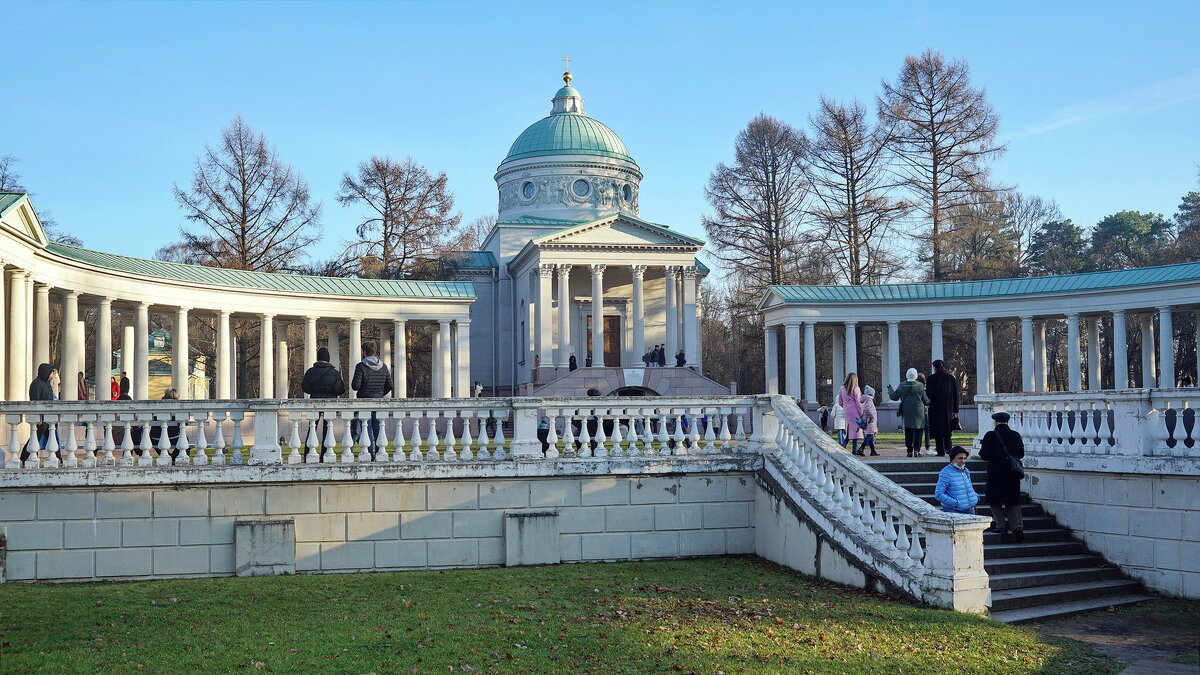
x=566, y=59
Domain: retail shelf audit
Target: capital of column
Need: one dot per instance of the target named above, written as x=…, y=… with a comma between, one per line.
x=670, y=271
x=545, y=270
x=462, y=322
x=639, y=271
x=41, y=288
x=689, y=272
x=563, y=268
x=266, y=316
x=444, y=322
x=1070, y=315
x=182, y=310
x=936, y=322
x=897, y=323
x=1166, y=308
x=18, y=274
x=792, y=323
x=104, y=301
x=978, y=321
x=399, y=323
x=74, y=295
x=1029, y=317
x=850, y=324
x=598, y=269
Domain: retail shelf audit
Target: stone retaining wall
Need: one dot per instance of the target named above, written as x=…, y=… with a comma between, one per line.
x=85, y=533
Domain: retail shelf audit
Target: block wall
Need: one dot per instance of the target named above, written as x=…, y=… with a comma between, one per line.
x=60, y=534
x=1147, y=524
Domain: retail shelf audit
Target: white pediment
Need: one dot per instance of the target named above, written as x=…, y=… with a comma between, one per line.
x=619, y=231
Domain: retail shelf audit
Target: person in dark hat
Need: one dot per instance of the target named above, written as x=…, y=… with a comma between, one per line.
x=1003, y=492
x=942, y=390
x=323, y=380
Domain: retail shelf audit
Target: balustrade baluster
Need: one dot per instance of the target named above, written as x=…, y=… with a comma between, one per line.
x=845, y=503
x=902, y=542
x=740, y=435
x=381, y=441
x=183, y=456
x=677, y=435
x=294, y=438
x=617, y=437
x=633, y=437
x=585, y=436
x=127, y=445
x=329, y=454
x=500, y=453
x=12, y=455
x=664, y=437
x=414, y=441
x=1174, y=439
x=569, y=449
x=465, y=443
x=219, y=445
x=164, y=446
x=890, y=523
x=363, y=442
x=915, y=552
x=347, y=436
x=877, y=523
x=449, y=453
x=235, y=451
x=431, y=438
x=108, y=445
x=856, y=509
x=201, y=455
x=310, y=440
x=70, y=446
x=89, y=444
x=725, y=436
x=33, y=448
x=483, y=453
x=146, y=456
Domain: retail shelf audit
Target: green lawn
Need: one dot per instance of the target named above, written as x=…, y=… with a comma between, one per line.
x=704, y=616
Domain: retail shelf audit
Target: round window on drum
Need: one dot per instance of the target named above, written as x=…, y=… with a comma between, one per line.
x=627, y=193
x=581, y=188
x=529, y=189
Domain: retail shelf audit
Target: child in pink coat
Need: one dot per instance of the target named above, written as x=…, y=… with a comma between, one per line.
x=870, y=418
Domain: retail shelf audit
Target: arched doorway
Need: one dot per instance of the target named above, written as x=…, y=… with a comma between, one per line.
x=633, y=391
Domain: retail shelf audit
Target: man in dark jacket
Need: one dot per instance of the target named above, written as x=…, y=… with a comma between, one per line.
x=40, y=390
x=1003, y=492
x=662, y=356
x=371, y=380
x=323, y=381
x=942, y=390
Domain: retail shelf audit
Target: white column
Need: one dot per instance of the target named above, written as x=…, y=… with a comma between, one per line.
x=982, y=385
x=810, y=362
x=771, y=350
x=1147, y=322
x=1027, y=354
x=435, y=364
x=179, y=353
x=1120, y=346
x=385, y=352
x=936, y=343
x=991, y=349
x=893, y=354
x=791, y=341
x=463, y=357
x=224, y=356
x=544, y=333
x=4, y=383
x=80, y=355
x=18, y=349
x=1196, y=342
x=444, y=374
x=41, y=323
x=104, y=350
x=851, y=348
x=1166, y=348
x=639, y=314
x=400, y=357
x=564, y=316
x=266, y=358
x=699, y=358
x=281, y=362
x=839, y=363
x=127, y=348
x=598, y=316
x=671, y=345
x=310, y=341
x=1074, y=374
x=30, y=366
x=691, y=323
x=1093, y=342
x=141, y=353
x=1039, y=356
x=333, y=343
x=70, y=352
x=353, y=353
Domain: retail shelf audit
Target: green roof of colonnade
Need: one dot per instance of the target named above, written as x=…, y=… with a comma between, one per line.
x=294, y=283
x=990, y=288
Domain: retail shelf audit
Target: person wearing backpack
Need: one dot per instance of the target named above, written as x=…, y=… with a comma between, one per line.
x=1003, y=450
x=322, y=380
x=371, y=380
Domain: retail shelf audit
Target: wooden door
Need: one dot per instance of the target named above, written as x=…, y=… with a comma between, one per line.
x=612, y=341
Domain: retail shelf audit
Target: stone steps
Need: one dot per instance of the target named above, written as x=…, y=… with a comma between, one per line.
x=1048, y=575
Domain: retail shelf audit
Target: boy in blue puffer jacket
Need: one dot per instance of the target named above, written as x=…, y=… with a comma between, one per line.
x=954, y=489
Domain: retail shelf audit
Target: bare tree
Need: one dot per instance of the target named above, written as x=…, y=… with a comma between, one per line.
x=410, y=216
x=254, y=210
x=759, y=203
x=852, y=210
x=470, y=237
x=10, y=181
x=1025, y=215
x=943, y=131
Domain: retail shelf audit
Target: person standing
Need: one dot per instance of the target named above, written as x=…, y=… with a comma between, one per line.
x=572, y=363
x=662, y=356
x=870, y=419
x=954, y=490
x=839, y=423
x=477, y=390
x=913, y=400
x=322, y=380
x=942, y=389
x=40, y=390
x=680, y=359
x=999, y=447
x=823, y=415
x=371, y=380
x=849, y=398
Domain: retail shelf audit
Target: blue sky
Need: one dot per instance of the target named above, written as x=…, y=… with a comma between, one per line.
x=108, y=104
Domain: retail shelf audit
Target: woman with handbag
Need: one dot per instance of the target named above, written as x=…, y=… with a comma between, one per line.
x=1003, y=450
x=849, y=399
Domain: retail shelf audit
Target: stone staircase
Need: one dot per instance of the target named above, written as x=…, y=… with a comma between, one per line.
x=1050, y=574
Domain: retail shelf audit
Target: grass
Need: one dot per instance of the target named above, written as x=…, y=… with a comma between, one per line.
x=703, y=616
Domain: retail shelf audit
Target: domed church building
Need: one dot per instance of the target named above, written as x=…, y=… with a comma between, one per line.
x=579, y=276
x=571, y=289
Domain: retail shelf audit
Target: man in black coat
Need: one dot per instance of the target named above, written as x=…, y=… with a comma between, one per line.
x=40, y=390
x=371, y=380
x=1003, y=492
x=942, y=390
x=323, y=381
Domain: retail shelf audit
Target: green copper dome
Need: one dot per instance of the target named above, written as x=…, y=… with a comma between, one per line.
x=568, y=134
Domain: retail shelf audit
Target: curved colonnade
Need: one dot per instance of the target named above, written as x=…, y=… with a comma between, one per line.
x=1141, y=295
x=36, y=273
